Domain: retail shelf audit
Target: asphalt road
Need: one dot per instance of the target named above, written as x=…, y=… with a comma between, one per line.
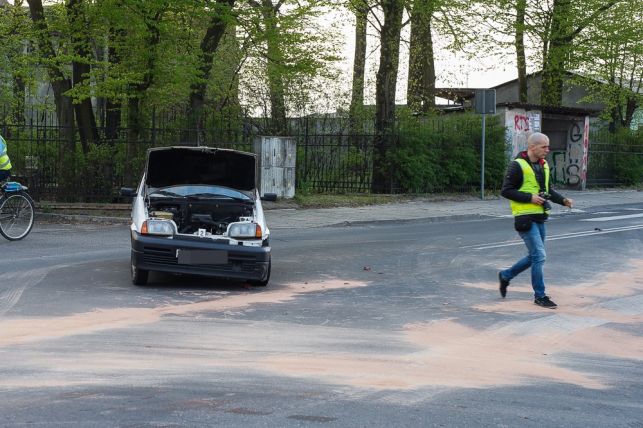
x=371, y=325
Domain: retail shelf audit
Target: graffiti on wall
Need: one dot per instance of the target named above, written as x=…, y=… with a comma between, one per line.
x=584, y=160
x=574, y=153
x=558, y=162
x=520, y=124
x=569, y=167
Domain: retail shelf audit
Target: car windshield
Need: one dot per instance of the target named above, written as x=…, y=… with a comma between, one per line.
x=200, y=191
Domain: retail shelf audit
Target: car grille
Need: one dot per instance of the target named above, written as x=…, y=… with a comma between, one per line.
x=159, y=255
x=236, y=262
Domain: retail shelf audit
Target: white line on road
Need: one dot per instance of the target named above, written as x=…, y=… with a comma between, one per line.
x=616, y=217
x=557, y=237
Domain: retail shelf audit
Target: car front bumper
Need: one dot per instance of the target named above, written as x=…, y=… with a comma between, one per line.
x=155, y=253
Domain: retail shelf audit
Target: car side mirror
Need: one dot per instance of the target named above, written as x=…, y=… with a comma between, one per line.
x=128, y=192
x=270, y=197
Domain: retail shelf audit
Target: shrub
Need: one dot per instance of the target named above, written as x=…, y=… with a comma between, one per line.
x=443, y=154
x=628, y=160
x=616, y=156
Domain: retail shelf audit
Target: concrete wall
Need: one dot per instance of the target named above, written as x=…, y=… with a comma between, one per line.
x=276, y=161
x=519, y=124
x=572, y=93
x=565, y=137
x=509, y=93
x=566, y=154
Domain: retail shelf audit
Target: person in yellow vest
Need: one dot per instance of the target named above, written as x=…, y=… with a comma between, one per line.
x=5, y=163
x=528, y=188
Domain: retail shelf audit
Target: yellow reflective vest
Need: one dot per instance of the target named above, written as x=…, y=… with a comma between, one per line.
x=530, y=185
x=5, y=163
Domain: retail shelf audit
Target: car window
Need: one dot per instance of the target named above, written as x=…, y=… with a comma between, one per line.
x=199, y=190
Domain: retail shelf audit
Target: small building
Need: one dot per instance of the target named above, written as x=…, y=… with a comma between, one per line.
x=566, y=125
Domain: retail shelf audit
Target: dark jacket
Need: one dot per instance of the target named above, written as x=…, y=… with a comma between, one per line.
x=513, y=182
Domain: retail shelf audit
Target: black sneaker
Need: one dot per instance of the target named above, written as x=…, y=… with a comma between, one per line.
x=545, y=302
x=503, y=285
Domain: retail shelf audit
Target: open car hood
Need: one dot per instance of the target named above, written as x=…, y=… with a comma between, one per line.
x=170, y=166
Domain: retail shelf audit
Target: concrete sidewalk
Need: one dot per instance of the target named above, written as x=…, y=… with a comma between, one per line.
x=437, y=210
x=419, y=209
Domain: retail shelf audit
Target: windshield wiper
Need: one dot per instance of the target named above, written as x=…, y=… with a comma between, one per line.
x=165, y=193
x=217, y=196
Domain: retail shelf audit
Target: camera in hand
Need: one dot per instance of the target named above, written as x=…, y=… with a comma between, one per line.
x=546, y=204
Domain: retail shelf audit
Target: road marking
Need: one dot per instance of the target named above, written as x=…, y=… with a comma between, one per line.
x=553, y=215
x=632, y=209
x=615, y=217
x=556, y=237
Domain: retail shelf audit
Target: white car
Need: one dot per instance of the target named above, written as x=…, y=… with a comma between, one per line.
x=197, y=210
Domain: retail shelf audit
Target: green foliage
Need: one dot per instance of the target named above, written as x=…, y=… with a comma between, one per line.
x=443, y=154
x=613, y=59
x=628, y=160
x=289, y=54
x=616, y=157
x=629, y=169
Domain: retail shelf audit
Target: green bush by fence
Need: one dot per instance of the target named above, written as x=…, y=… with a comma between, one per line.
x=616, y=155
x=443, y=154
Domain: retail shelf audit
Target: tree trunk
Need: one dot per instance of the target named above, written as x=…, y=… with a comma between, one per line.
x=386, y=81
x=59, y=83
x=18, y=107
x=274, y=68
x=209, y=45
x=560, y=37
x=554, y=63
x=520, y=50
x=112, y=120
x=137, y=91
x=112, y=108
x=420, y=93
x=85, y=118
x=359, y=67
x=18, y=82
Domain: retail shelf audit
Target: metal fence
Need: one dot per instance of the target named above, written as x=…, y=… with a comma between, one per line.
x=334, y=162
x=329, y=158
x=615, y=159
x=56, y=169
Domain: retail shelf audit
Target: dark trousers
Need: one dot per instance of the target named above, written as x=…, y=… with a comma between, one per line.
x=4, y=174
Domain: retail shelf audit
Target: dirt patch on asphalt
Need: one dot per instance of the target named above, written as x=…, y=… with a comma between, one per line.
x=525, y=344
x=585, y=299
x=449, y=355
x=27, y=330
x=452, y=354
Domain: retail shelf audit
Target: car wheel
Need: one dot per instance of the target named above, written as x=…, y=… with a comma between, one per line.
x=139, y=276
x=263, y=282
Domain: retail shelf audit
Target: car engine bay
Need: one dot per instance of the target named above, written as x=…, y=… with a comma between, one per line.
x=195, y=215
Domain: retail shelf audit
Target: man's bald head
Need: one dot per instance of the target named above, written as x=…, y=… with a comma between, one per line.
x=537, y=138
x=537, y=146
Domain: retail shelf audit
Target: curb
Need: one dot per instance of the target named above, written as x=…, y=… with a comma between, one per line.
x=79, y=218
x=434, y=219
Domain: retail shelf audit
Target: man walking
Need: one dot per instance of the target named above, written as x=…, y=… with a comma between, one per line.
x=527, y=186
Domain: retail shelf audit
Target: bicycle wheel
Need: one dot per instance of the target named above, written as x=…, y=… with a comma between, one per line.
x=16, y=216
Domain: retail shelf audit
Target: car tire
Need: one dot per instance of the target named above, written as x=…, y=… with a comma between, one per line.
x=139, y=276
x=263, y=282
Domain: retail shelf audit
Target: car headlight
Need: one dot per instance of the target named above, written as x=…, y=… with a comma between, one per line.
x=158, y=227
x=244, y=230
